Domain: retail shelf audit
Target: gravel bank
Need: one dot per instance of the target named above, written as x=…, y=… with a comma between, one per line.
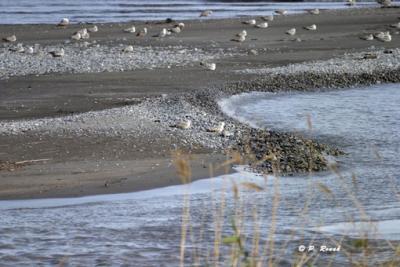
x=157, y=117
x=348, y=71
x=142, y=134
x=298, y=154
x=92, y=58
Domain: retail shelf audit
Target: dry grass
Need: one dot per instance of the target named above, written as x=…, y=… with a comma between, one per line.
x=259, y=247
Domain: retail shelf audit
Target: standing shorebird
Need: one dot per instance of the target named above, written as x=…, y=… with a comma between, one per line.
x=76, y=36
x=84, y=33
x=175, y=29
x=206, y=13
x=312, y=27
x=10, y=39
x=281, y=11
x=93, y=29
x=268, y=18
x=128, y=49
x=239, y=38
x=262, y=25
x=63, y=23
x=19, y=48
x=58, y=53
x=180, y=25
x=217, y=129
x=209, y=66
x=385, y=3
x=368, y=37
x=314, y=11
x=131, y=29
x=351, y=2
x=29, y=50
x=242, y=34
x=396, y=25
x=162, y=33
x=142, y=32
x=291, y=31
x=250, y=22
x=184, y=125
x=384, y=36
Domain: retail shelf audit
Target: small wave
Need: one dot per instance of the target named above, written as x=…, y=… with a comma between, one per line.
x=46, y=11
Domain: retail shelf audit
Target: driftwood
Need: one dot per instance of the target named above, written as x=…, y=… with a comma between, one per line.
x=31, y=161
x=12, y=166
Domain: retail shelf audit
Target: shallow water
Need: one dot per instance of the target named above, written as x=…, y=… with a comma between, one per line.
x=50, y=11
x=144, y=228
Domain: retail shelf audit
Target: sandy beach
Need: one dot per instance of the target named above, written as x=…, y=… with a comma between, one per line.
x=107, y=128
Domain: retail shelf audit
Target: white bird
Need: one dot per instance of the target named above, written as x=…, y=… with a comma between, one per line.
x=76, y=36
x=184, y=125
x=162, y=33
x=128, y=49
x=226, y=133
x=206, y=13
x=64, y=22
x=281, y=11
x=142, y=32
x=29, y=50
x=262, y=25
x=10, y=39
x=370, y=56
x=19, y=48
x=384, y=3
x=240, y=38
x=217, y=129
x=93, y=29
x=242, y=33
x=84, y=33
x=351, y=2
x=176, y=29
x=384, y=36
x=250, y=22
x=291, y=31
x=314, y=11
x=131, y=29
x=268, y=18
x=368, y=37
x=209, y=66
x=180, y=25
x=396, y=25
x=312, y=27
x=58, y=53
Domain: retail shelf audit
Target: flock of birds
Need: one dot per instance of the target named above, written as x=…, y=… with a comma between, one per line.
x=218, y=129
x=240, y=37
x=84, y=34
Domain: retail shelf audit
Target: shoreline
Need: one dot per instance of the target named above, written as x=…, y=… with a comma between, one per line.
x=104, y=132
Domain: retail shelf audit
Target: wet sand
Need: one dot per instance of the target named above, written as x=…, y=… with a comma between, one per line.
x=80, y=166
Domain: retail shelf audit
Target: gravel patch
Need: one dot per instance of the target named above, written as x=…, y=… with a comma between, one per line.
x=366, y=63
x=155, y=118
x=351, y=70
x=92, y=57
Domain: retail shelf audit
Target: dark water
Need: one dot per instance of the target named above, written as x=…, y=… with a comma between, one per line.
x=144, y=228
x=51, y=11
